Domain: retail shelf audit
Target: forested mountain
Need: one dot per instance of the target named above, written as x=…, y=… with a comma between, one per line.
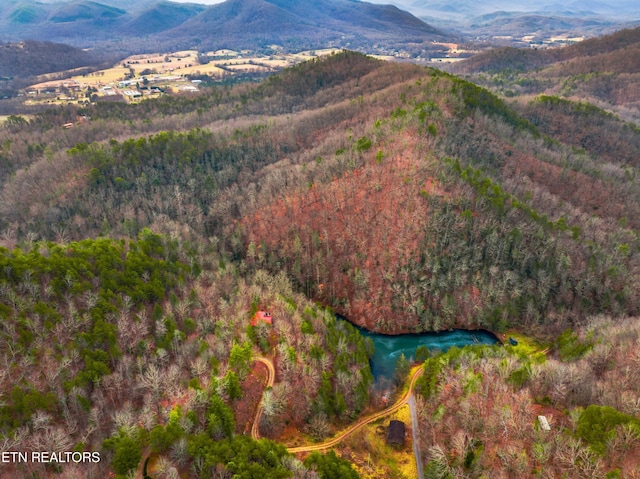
x=139, y=244
x=306, y=23
x=232, y=24
x=512, y=21
x=32, y=58
x=22, y=62
x=603, y=71
x=467, y=10
x=441, y=208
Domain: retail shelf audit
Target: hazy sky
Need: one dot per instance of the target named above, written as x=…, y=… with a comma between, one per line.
x=206, y=2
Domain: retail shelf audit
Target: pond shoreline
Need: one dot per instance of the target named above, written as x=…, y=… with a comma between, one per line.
x=389, y=347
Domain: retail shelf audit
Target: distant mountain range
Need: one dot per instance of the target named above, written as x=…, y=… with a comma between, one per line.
x=153, y=24
x=487, y=20
x=469, y=9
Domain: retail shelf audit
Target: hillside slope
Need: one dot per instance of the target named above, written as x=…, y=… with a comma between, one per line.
x=603, y=71
x=34, y=58
x=138, y=245
x=245, y=23
x=21, y=63
x=406, y=205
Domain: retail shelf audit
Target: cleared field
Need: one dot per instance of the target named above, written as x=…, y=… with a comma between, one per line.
x=186, y=62
x=95, y=79
x=110, y=75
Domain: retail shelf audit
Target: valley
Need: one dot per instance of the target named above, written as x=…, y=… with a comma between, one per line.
x=140, y=77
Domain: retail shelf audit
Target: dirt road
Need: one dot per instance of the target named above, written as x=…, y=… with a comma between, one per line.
x=255, y=429
x=362, y=422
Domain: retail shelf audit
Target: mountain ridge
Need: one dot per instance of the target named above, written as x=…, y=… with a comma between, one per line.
x=248, y=24
x=403, y=197
x=528, y=59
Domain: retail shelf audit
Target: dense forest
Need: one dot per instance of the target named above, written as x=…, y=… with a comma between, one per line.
x=477, y=407
x=601, y=71
x=138, y=246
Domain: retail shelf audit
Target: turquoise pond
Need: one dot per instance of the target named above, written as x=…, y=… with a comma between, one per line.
x=389, y=348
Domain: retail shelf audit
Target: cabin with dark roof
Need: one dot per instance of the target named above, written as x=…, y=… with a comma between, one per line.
x=395, y=433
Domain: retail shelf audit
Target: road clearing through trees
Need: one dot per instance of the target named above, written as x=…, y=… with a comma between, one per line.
x=362, y=422
x=255, y=429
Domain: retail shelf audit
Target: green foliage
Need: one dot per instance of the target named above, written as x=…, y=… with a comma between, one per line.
x=127, y=451
x=188, y=326
x=137, y=169
x=325, y=402
x=307, y=327
x=398, y=113
x=570, y=347
x=241, y=456
x=478, y=98
x=240, y=359
x=581, y=108
x=433, y=368
x=402, y=369
x=350, y=352
x=521, y=375
x=21, y=403
x=436, y=470
x=422, y=353
x=597, y=425
x=475, y=450
x=162, y=437
x=363, y=144
x=310, y=76
x=517, y=264
x=330, y=466
x=220, y=416
x=486, y=188
x=232, y=385
x=427, y=383
x=104, y=270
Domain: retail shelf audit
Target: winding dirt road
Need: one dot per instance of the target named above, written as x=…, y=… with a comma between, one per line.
x=362, y=422
x=255, y=429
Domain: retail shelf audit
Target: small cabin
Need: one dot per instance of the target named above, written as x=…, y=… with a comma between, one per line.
x=261, y=317
x=395, y=433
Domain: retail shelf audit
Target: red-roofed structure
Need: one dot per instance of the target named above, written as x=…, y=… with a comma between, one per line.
x=261, y=317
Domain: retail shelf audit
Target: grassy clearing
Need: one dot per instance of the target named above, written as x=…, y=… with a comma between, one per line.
x=373, y=458
x=527, y=346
